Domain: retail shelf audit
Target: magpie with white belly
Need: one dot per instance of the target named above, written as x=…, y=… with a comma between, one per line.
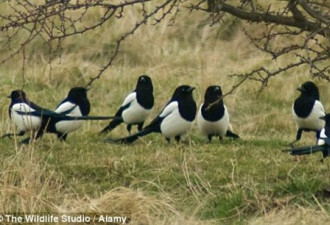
x=136, y=106
x=175, y=120
x=307, y=110
x=213, y=117
x=68, y=117
x=323, y=144
x=75, y=104
x=19, y=110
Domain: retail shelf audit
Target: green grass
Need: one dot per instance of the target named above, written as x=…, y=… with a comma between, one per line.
x=227, y=181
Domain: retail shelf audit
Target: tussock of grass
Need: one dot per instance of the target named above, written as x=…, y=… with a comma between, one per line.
x=245, y=181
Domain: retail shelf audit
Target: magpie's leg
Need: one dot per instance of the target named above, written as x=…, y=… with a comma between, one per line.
x=21, y=133
x=168, y=140
x=220, y=138
x=62, y=137
x=25, y=141
x=298, y=137
x=177, y=138
x=129, y=128
x=209, y=137
x=140, y=126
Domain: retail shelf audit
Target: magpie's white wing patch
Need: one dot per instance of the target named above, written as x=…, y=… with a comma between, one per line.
x=69, y=109
x=24, y=122
x=170, y=108
x=130, y=98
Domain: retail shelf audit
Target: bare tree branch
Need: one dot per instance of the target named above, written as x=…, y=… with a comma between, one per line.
x=297, y=31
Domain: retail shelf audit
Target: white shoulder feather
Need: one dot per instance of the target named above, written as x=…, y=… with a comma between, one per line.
x=169, y=109
x=131, y=97
x=66, y=106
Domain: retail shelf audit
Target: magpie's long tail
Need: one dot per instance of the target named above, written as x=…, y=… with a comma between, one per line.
x=325, y=149
x=112, y=125
x=92, y=118
x=231, y=134
x=131, y=138
x=61, y=116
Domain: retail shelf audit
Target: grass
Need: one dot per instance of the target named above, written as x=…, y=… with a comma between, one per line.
x=248, y=181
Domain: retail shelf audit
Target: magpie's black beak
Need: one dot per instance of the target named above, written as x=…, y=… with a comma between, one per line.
x=191, y=89
x=8, y=96
x=301, y=89
x=322, y=117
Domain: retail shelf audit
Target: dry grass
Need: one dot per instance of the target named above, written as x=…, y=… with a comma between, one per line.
x=248, y=181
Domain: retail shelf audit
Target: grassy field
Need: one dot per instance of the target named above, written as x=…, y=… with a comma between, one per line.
x=248, y=181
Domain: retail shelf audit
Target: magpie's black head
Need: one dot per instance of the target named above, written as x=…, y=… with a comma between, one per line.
x=183, y=91
x=309, y=89
x=77, y=93
x=212, y=94
x=17, y=95
x=144, y=83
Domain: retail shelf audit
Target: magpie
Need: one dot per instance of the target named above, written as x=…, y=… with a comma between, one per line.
x=75, y=104
x=174, y=120
x=136, y=106
x=19, y=110
x=28, y=116
x=213, y=117
x=323, y=144
x=307, y=110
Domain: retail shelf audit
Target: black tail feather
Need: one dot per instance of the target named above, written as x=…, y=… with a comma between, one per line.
x=93, y=118
x=309, y=150
x=231, y=134
x=131, y=138
x=112, y=125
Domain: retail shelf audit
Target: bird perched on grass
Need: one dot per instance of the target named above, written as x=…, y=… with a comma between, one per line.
x=323, y=143
x=19, y=110
x=213, y=117
x=75, y=104
x=307, y=110
x=28, y=116
x=136, y=106
x=175, y=120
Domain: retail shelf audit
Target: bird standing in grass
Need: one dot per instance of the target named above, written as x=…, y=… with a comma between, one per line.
x=136, y=106
x=67, y=118
x=323, y=143
x=19, y=110
x=213, y=117
x=175, y=120
x=307, y=110
x=75, y=104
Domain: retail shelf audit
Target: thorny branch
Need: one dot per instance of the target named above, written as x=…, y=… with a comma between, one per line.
x=296, y=32
x=56, y=20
